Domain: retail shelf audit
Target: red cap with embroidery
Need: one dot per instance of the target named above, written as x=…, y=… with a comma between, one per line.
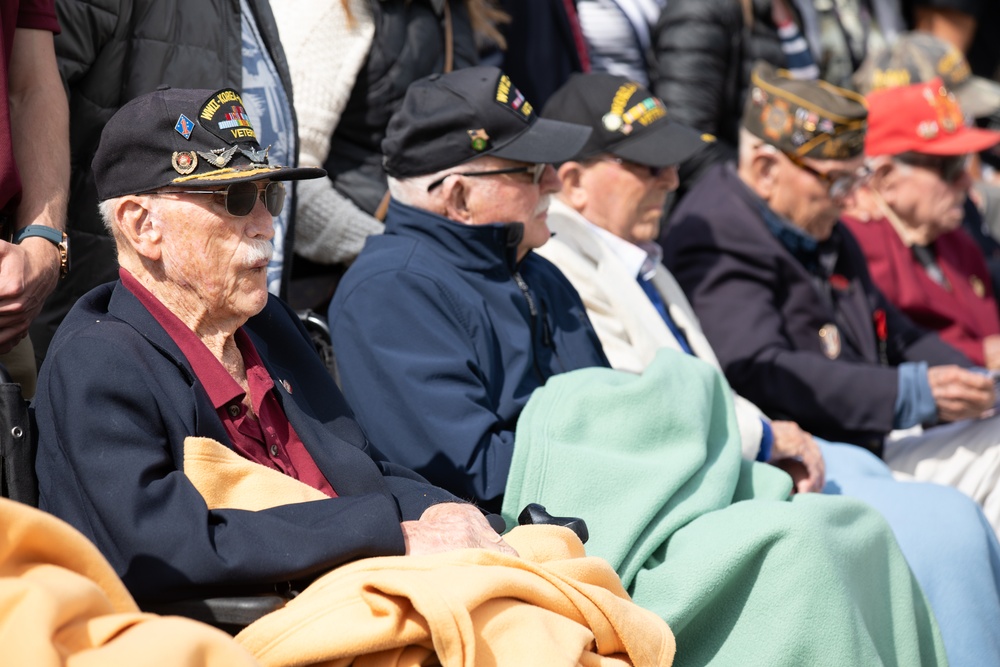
x=922, y=118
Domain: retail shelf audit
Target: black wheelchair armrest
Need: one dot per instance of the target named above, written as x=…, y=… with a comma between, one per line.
x=535, y=514
x=230, y=614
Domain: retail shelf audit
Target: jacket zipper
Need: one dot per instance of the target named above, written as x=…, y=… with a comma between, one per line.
x=533, y=310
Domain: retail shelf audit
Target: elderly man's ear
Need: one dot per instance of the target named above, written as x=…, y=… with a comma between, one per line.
x=138, y=228
x=455, y=201
x=573, y=192
x=763, y=170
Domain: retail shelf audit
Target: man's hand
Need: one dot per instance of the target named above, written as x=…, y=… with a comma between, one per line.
x=450, y=526
x=960, y=393
x=792, y=443
x=28, y=273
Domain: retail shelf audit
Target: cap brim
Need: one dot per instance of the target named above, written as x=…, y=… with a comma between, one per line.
x=238, y=175
x=967, y=140
x=548, y=141
x=669, y=145
x=978, y=97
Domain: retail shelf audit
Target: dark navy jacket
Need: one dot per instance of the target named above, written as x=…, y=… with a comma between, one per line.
x=765, y=312
x=439, y=346
x=116, y=398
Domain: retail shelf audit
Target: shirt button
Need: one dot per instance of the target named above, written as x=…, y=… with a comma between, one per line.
x=234, y=410
x=274, y=450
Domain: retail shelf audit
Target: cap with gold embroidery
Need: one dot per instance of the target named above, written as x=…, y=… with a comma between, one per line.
x=917, y=57
x=179, y=136
x=448, y=119
x=627, y=120
x=805, y=118
x=922, y=118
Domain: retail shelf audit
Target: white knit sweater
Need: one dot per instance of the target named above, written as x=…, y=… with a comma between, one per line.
x=325, y=53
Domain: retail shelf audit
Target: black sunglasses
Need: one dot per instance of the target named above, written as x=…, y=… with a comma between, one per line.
x=948, y=167
x=536, y=171
x=240, y=198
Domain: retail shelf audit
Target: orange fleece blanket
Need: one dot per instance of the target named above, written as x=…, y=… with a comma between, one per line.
x=62, y=604
x=552, y=606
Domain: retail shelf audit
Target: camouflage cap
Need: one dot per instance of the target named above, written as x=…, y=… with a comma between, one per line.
x=804, y=118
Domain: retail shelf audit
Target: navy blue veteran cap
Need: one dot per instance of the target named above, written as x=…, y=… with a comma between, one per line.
x=448, y=119
x=627, y=120
x=180, y=136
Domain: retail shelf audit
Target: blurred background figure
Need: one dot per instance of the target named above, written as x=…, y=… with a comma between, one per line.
x=351, y=61
x=619, y=35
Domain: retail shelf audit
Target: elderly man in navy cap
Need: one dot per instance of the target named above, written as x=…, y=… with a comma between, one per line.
x=189, y=343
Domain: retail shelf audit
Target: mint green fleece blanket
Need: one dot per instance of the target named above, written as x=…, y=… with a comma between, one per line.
x=743, y=574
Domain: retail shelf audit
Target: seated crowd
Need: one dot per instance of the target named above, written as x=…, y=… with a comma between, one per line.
x=773, y=403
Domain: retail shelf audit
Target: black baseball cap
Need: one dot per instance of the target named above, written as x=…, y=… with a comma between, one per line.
x=627, y=120
x=183, y=136
x=448, y=119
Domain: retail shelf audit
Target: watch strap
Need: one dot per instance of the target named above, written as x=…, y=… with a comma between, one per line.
x=47, y=233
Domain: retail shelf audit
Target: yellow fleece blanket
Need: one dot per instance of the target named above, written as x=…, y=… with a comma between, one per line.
x=62, y=604
x=553, y=606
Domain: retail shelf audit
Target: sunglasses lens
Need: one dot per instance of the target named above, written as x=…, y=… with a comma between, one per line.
x=274, y=197
x=240, y=198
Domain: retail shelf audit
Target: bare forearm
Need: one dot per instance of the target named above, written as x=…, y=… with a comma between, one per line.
x=39, y=115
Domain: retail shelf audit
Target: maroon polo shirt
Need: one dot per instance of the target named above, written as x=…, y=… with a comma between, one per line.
x=269, y=439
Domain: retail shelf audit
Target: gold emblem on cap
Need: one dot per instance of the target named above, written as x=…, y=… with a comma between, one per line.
x=978, y=288
x=184, y=162
x=829, y=339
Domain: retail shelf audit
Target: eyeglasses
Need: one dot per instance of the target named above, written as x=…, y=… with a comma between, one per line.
x=535, y=170
x=838, y=184
x=949, y=167
x=240, y=198
x=654, y=172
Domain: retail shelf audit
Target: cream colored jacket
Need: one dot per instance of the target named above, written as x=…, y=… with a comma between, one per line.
x=629, y=326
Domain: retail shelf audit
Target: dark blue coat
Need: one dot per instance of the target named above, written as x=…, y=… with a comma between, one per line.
x=439, y=348
x=763, y=311
x=116, y=398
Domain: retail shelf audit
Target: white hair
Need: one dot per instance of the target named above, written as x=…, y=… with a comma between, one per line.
x=107, y=210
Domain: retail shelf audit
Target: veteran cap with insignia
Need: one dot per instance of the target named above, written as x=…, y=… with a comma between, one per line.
x=804, y=118
x=918, y=57
x=448, y=119
x=178, y=136
x=626, y=120
x=922, y=118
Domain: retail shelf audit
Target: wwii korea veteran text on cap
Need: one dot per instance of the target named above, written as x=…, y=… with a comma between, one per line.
x=448, y=119
x=182, y=136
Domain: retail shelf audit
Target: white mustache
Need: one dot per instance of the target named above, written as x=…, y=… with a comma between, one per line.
x=258, y=251
x=543, y=205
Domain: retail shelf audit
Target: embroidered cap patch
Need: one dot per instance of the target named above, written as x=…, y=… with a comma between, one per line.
x=224, y=116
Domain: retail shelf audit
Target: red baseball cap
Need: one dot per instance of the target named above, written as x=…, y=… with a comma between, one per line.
x=922, y=118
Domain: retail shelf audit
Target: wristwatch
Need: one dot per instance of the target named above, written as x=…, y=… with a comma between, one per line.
x=56, y=237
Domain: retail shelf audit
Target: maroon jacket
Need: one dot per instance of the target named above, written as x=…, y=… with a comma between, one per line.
x=963, y=313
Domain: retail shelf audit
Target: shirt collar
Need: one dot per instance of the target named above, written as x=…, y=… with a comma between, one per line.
x=640, y=261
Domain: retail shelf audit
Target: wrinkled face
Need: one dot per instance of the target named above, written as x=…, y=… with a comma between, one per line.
x=217, y=261
x=928, y=194
x=802, y=193
x=512, y=198
x=626, y=198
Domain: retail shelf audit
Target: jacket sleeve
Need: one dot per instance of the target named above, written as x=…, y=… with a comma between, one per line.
x=419, y=390
x=694, y=62
x=325, y=51
x=108, y=464
x=87, y=26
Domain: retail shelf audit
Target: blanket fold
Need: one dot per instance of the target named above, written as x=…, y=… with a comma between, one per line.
x=743, y=573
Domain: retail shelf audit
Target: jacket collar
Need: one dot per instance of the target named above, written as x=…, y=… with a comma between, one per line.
x=483, y=248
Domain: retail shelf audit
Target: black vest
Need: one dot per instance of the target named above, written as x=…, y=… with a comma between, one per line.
x=409, y=44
